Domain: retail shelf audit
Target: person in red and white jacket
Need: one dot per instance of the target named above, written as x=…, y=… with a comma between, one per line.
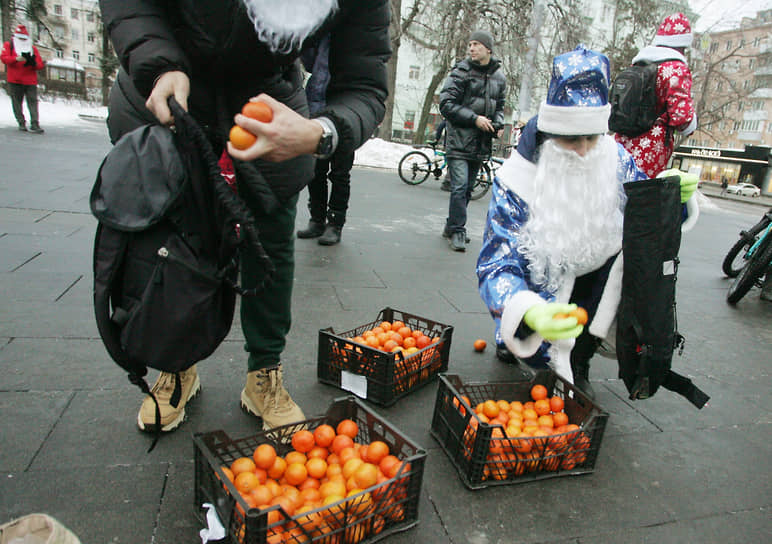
x=652, y=150
x=23, y=61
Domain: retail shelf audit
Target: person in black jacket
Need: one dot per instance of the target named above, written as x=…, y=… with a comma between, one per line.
x=472, y=101
x=213, y=57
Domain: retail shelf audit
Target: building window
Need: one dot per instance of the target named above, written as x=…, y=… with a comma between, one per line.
x=76, y=55
x=57, y=9
x=91, y=37
x=90, y=16
x=719, y=84
x=73, y=13
x=746, y=84
x=736, y=125
x=415, y=72
x=756, y=41
x=740, y=105
x=59, y=54
x=75, y=34
x=91, y=57
x=750, y=63
x=714, y=47
x=729, y=45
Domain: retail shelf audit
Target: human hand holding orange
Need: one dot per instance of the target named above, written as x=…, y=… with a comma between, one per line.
x=286, y=136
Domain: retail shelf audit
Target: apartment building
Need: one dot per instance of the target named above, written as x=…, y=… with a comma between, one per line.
x=69, y=38
x=733, y=86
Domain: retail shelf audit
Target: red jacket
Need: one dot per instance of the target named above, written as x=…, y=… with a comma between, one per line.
x=17, y=71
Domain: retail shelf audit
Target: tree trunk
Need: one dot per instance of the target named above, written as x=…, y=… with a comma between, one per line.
x=439, y=77
x=384, y=131
x=106, y=51
x=6, y=9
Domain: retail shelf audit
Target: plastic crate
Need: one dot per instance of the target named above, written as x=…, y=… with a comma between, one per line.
x=369, y=516
x=484, y=455
x=382, y=378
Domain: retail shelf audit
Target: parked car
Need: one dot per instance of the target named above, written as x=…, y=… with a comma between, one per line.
x=744, y=189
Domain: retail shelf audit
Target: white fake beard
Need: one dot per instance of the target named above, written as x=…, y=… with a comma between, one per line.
x=22, y=45
x=283, y=25
x=575, y=219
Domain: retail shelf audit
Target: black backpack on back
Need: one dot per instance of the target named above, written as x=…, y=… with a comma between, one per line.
x=166, y=251
x=633, y=99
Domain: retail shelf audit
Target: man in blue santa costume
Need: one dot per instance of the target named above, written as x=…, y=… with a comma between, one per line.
x=553, y=235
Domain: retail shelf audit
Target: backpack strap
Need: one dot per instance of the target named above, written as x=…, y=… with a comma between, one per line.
x=233, y=205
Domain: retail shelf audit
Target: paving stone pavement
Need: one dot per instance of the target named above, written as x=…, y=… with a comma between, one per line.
x=70, y=447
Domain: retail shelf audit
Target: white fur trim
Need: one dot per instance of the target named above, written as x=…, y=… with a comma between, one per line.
x=691, y=127
x=517, y=174
x=674, y=40
x=654, y=53
x=514, y=310
x=573, y=120
x=609, y=300
x=692, y=213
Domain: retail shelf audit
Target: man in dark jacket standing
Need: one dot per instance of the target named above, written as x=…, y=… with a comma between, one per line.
x=472, y=101
x=213, y=57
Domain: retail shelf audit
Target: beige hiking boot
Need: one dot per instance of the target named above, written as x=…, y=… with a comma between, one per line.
x=163, y=390
x=265, y=396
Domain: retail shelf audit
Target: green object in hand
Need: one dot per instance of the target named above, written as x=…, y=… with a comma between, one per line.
x=541, y=318
x=688, y=182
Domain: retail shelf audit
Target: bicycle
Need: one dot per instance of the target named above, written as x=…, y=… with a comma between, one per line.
x=416, y=166
x=749, y=259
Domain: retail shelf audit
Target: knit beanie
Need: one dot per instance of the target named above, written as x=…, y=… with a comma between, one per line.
x=485, y=38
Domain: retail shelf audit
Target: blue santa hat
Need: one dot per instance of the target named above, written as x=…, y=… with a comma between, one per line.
x=577, y=99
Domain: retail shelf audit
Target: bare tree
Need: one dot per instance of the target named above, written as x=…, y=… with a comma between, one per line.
x=397, y=29
x=442, y=29
x=108, y=63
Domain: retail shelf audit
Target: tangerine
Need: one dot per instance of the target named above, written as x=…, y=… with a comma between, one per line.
x=242, y=464
x=479, y=345
x=258, y=110
x=246, y=482
x=556, y=404
x=240, y=138
x=296, y=473
x=264, y=456
x=348, y=427
x=376, y=451
x=303, y=440
x=538, y=392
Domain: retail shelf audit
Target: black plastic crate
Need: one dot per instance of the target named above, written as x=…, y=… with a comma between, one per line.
x=369, y=516
x=379, y=377
x=484, y=455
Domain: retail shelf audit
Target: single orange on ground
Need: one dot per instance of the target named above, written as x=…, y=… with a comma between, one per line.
x=264, y=456
x=348, y=427
x=538, y=392
x=258, y=110
x=479, y=345
x=242, y=464
x=303, y=440
x=240, y=138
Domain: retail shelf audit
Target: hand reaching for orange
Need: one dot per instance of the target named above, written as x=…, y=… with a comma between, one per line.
x=579, y=313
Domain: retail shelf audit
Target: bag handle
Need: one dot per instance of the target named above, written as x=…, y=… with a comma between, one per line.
x=233, y=204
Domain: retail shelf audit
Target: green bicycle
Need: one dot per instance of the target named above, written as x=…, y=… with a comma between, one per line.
x=416, y=166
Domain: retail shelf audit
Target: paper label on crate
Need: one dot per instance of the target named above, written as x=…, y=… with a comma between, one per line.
x=353, y=383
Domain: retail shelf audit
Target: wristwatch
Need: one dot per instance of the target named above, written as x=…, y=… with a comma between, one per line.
x=326, y=145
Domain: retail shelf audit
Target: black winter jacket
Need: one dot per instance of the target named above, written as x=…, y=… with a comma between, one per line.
x=215, y=43
x=471, y=90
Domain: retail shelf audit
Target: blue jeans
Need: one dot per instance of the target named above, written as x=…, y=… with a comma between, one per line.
x=462, y=175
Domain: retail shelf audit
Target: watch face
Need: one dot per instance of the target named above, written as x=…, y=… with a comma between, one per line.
x=325, y=144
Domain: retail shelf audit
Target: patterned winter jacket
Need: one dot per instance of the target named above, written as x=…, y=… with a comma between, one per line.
x=652, y=150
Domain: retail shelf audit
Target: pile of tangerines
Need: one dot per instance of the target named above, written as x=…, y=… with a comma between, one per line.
x=330, y=487
x=530, y=436
x=420, y=355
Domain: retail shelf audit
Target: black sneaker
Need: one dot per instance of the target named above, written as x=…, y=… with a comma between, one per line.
x=35, y=128
x=313, y=230
x=446, y=234
x=23, y=127
x=457, y=242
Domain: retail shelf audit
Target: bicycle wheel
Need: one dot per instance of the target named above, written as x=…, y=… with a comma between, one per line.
x=482, y=182
x=414, y=167
x=754, y=269
x=735, y=259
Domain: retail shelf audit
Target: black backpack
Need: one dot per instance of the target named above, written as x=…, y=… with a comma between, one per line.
x=647, y=331
x=633, y=99
x=166, y=251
